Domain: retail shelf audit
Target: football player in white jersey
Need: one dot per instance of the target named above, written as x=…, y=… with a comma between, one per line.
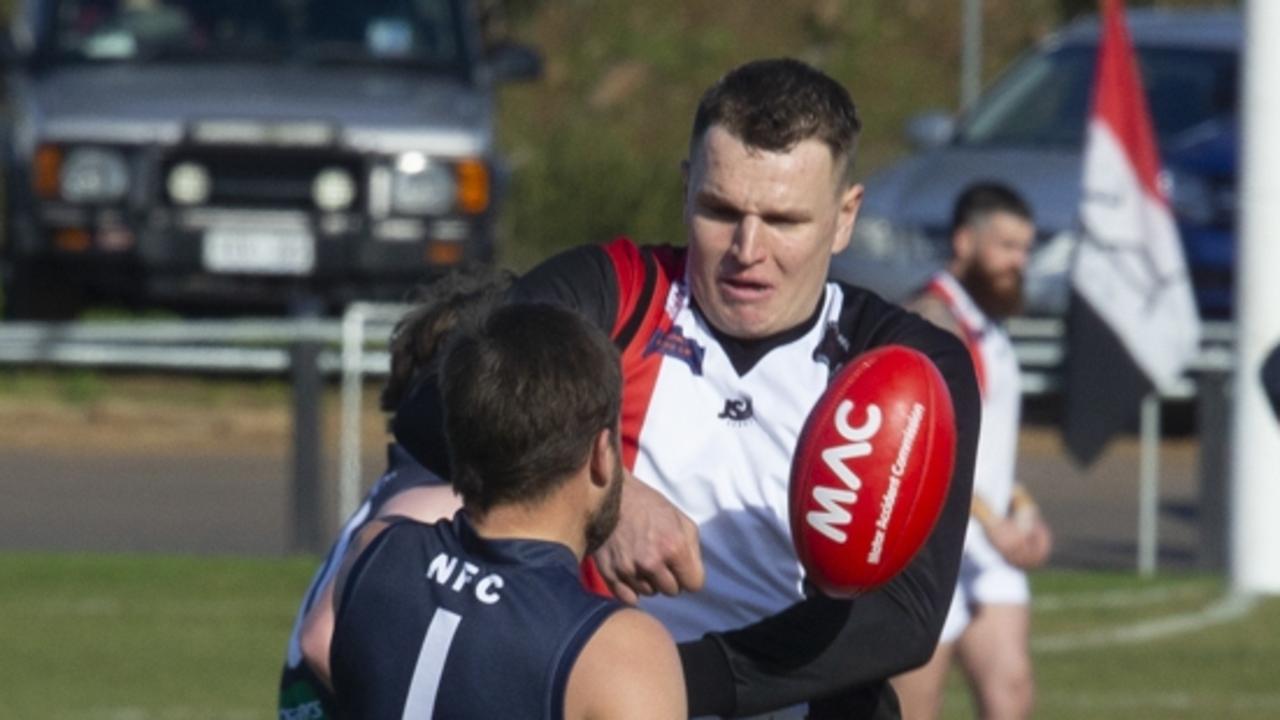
x=726, y=344
x=988, y=625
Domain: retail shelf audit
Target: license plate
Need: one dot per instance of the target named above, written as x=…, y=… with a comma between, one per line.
x=257, y=251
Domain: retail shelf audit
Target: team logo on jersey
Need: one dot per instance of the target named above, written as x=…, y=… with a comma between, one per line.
x=737, y=410
x=833, y=349
x=673, y=343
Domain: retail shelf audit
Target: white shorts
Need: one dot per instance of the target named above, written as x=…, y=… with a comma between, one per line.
x=985, y=579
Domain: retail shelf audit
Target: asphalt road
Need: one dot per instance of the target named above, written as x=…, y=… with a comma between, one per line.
x=218, y=493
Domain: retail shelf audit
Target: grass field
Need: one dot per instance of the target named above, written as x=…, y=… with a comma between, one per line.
x=142, y=638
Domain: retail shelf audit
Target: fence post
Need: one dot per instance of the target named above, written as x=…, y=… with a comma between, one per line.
x=1213, y=415
x=352, y=385
x=306, y=494
x=1149, y=486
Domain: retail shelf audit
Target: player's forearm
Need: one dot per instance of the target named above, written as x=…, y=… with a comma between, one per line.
x=708, y=678
x=824, y=646
x=817, y=648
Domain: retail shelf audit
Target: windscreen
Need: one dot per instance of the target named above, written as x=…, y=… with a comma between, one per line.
x=425, y=33
x=1043, y=101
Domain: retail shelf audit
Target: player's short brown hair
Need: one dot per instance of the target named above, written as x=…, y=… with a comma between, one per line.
x=525, y=396
x=985, y=197
x=777, y=103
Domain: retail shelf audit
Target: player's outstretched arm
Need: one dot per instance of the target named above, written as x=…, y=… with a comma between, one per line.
x=424, y=504
x=823, y=647
x=629, y=670
x=654, y=548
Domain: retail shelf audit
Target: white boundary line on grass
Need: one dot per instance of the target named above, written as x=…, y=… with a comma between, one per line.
x=1226, y=609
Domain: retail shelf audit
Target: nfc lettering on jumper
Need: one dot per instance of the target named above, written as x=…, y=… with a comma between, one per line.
x=448, y=572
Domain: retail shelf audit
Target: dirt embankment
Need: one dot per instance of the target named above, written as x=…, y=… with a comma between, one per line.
x=161, y=420
x=136, y=425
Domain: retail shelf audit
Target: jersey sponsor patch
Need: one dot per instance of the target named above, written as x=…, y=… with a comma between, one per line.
x=737, y=411
x=674, y=344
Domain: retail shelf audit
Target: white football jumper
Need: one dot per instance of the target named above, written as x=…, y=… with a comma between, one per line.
x=730, y=473
x=985, y=576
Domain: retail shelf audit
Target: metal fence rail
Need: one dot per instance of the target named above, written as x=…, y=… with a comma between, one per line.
x=1039, y=345
x=359, y=339
x=214, y=346
x=354, y=347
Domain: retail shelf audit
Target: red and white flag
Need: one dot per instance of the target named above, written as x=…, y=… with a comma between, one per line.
x=1133, y=322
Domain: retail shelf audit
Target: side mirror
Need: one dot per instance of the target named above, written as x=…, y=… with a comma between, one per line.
x=510, y=62
x=930, y=130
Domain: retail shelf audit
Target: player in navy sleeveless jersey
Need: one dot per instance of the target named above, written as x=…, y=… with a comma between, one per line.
x=406, y=488
x=485, y=616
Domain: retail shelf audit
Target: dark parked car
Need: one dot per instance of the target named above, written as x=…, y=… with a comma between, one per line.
x=1028, y=131
x=245, y=153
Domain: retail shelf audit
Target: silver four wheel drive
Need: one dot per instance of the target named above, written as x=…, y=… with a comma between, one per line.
x=245, y=152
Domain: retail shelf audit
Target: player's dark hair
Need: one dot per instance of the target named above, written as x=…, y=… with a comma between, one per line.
x=776, y=104
x=524, y=399
x=460, y=296
x=981, y=199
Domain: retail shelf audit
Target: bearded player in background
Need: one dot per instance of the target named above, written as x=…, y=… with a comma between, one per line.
x=988, y=625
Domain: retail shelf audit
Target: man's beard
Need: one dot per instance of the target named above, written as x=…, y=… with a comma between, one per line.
x=601, y=524
x=999, y=296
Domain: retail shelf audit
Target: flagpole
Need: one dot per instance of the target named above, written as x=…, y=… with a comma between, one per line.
x=1255, y=458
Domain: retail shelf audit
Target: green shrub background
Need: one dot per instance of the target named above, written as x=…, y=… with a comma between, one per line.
x=596, y=144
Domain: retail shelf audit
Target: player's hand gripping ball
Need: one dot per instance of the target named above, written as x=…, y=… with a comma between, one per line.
x=871, y=470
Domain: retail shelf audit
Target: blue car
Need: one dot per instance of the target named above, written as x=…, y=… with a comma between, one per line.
x=1028, y=131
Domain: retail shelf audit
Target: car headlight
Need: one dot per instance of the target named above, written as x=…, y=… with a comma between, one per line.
x=420, y=186
x=91, y=175
x=333, y=189
x=189, y=183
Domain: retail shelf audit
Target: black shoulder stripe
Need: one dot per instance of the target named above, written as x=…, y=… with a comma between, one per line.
x=629, y=329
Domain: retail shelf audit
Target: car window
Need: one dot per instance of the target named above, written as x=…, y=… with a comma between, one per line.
x=421, y=32
x=1043, y=101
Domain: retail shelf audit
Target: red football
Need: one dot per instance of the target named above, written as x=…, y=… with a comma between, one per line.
x=871, y=470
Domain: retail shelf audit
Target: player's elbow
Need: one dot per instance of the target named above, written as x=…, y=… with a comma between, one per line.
x=918, y=625
x=918, y=645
